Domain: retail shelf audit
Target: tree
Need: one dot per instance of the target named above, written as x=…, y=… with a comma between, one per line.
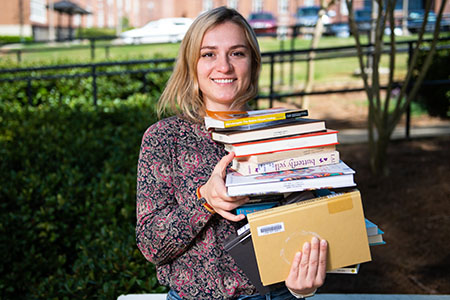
x=310, y=67
x=383, y=118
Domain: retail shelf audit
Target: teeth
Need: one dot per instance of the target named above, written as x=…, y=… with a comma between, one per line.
x=223, y=80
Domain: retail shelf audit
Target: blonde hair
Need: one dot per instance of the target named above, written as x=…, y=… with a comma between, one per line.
x=182, y=94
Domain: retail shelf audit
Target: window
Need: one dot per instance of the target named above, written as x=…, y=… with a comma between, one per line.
x=100, y=14
x=233, y=4
x=38, y=11
x=207, y=5
x=257, y=5
x=283, y=6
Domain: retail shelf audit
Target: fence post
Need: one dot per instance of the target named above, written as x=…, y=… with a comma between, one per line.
x=92, y=49
x=408, y=109
x=144, y=82
x=272, y=60
x=107, y=51
x=19, y=55
x=94, y=84
x=291, y=61
x=29, y=96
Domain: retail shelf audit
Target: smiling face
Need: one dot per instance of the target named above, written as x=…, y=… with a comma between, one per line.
x=224, y=66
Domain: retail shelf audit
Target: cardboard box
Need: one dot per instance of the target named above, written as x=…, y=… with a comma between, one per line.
x=278, y=233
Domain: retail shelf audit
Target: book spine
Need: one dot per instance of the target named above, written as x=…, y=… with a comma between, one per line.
x=282, y=145
x=265, y=118
x=306, y=161
x=265, y=158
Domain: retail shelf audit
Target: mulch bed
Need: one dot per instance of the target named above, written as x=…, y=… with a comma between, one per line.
x=411, y=205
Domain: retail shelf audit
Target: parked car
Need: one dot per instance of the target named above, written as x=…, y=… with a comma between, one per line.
x=363, y=19
x=168, y=30
x=338, y=29
x=263, y=23
x=308, y=16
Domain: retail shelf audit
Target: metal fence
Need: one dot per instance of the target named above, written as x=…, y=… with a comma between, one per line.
x=273, y=59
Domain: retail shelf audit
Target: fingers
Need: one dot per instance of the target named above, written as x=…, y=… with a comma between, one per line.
x=222, y=165
x=308, y=269
x=313, y=260
x=322, y=268
x=215, y=191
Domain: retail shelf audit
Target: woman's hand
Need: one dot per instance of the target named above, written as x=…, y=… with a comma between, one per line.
x=308, y=269
x=215, y=191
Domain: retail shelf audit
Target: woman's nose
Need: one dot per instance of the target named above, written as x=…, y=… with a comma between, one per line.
x=223, y=64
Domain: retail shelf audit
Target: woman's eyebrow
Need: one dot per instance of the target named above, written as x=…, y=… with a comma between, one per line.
x=232, y=47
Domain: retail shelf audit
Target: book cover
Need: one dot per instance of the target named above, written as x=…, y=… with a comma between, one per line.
x=329, y=176
x=298, y=126
x=376, y=239
x=240, y=247
x=296, y=162
x=353, y=269
x=227, y=119
x=299, y=141
x=278, y=233
x=268, y=157
x=372, y=228
x=252, y=207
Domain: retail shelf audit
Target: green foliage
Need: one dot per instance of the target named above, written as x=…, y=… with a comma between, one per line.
x=9, y=39
x=95, y=32
x=62, y=90
x=436, y=98
x=67, y=206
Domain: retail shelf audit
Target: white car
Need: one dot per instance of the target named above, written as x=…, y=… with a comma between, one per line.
x=168, y=30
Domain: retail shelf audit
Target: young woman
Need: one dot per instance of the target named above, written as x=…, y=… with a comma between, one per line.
x=183, y=211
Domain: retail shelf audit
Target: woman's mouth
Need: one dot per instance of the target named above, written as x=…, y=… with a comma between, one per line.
x=228, y=80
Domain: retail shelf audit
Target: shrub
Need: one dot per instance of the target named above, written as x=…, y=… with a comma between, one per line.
x=9, y=39
x=115, y=85
x=68, y=180
x=436, y=98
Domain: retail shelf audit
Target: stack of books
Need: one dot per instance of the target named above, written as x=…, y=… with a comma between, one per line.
x=298, y=188
x=278, y=151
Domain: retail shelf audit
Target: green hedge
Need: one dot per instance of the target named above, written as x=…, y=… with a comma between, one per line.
x=436, y=98
x=64, y=90
x=68, y=180
x=9, y=39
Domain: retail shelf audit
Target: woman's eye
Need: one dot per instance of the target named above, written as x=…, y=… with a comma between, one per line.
x=238, y=53
x=207, y=54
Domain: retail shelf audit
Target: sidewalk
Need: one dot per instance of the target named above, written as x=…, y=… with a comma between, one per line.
x=352, y=136
x=318, y=297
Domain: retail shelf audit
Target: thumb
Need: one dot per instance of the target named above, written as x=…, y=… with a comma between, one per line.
x=221, y=166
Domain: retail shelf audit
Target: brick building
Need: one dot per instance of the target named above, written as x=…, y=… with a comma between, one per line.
x=35, y=18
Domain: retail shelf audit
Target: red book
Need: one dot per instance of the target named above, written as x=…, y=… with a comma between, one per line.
x=299, y=141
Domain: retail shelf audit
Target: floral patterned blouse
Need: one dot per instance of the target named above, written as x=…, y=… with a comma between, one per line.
x=174, y=230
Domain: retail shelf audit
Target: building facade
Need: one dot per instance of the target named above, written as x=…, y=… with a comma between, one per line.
x=36, y=18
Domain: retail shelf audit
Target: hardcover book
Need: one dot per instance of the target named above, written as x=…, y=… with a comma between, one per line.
x=330, y=176
x=377, y=239
x=299, y=141
x=228, y=119
x=297, y=162
x=298, y=126
x=353, y=269
x=278, y=233
x=372, y=228
x=274, y=156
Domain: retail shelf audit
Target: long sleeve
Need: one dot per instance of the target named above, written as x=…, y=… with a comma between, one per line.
x=169, y=215
x=174, y=230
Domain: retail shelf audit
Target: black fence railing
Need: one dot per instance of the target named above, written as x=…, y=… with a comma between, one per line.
x=96, y=70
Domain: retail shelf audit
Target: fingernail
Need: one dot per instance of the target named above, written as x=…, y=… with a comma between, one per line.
x=315, y=240
x=323, y=242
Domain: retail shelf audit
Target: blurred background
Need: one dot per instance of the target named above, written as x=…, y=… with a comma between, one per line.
x=79, y=81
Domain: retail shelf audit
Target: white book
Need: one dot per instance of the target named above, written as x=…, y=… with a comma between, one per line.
x=299, y=126
x=297, y=162
x=300, y=141
x=329, y=176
